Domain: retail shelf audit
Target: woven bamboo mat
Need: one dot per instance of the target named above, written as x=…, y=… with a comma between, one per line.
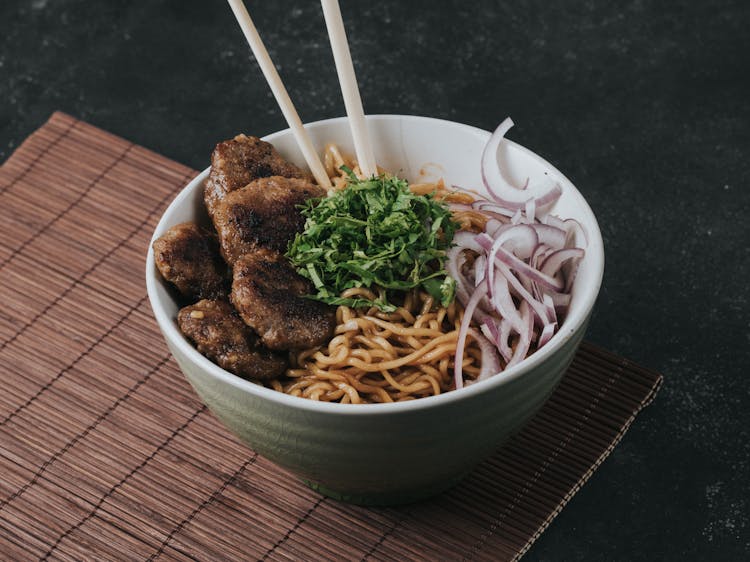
x=106, y=453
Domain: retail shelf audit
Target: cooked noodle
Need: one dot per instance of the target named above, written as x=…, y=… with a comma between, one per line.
x=383, y=357
x=386, y=357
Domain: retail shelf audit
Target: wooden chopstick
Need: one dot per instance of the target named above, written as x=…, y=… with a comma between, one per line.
x=280, y=93
x=349, y=89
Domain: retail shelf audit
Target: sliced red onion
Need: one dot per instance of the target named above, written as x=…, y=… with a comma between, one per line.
x=502, y=302
x=536, y=259
x=570, y=270
x=524, y=337
x=454, y=261
x=490, y=361
x=480, y=267
x=549, y=197
x=552, y=236
x=498, y=187
x=500, y=217
x=491, y=175
x=453, y=264
x=539, y=254
x=555, y=260
x=557, y=222
x=498, y=339
x=503, y=346
x=523, y=293
x=490, y=207
x=493, y=226
x=573, y=226
x=547, y=333
x=471, y=306
x=560, y=300
x=545, y=199
x=549, y=304
x=530, y=211
x=524, y=239
x=467, y=241
x=524, y=269
x=490, y=331
x=526, y=261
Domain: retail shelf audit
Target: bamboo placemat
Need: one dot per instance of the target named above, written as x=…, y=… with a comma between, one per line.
x=106, y=452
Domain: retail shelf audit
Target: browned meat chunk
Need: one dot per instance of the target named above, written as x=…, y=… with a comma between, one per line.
x=237, y=162
x=188, y=256
x=219, y=334
x=263, y=214
x=268, y=294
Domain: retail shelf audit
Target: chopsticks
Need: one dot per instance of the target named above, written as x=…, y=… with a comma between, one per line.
x=280, y=93
x=347, y=80
x=349, y=89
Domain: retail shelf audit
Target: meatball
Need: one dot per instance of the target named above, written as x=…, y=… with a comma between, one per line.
x=188, y=257
x=268, y=294
x=219, y=334
x=238, y=161
x=263, y=214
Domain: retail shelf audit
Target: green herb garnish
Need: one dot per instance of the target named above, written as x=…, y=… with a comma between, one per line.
x=375, y=232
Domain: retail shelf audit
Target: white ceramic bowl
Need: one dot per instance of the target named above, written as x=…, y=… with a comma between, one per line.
x=399, y=452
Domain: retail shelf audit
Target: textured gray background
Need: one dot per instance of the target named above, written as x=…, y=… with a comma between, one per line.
x=644, y=105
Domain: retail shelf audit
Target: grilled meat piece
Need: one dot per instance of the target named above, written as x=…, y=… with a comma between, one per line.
x=221, y=335
x=188, y=256
x=268, y=294
x=238, y=161
x=263, y=214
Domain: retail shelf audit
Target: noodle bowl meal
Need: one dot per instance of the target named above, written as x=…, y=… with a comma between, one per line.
x=375, y=291
x=322, y=325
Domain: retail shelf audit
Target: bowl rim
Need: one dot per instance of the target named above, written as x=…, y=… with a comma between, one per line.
x=573, y=322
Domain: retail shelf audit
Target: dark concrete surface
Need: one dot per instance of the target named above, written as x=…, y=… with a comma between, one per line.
x=645, y=105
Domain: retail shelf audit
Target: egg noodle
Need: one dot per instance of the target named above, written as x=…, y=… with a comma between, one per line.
x=386, y=357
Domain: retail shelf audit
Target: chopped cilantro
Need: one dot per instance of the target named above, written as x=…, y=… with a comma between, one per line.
x=375, y=232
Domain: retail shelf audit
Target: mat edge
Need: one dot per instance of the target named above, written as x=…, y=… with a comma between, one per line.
x=647, y=400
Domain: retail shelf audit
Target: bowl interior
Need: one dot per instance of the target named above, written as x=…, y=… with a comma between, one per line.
x=419, y=149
